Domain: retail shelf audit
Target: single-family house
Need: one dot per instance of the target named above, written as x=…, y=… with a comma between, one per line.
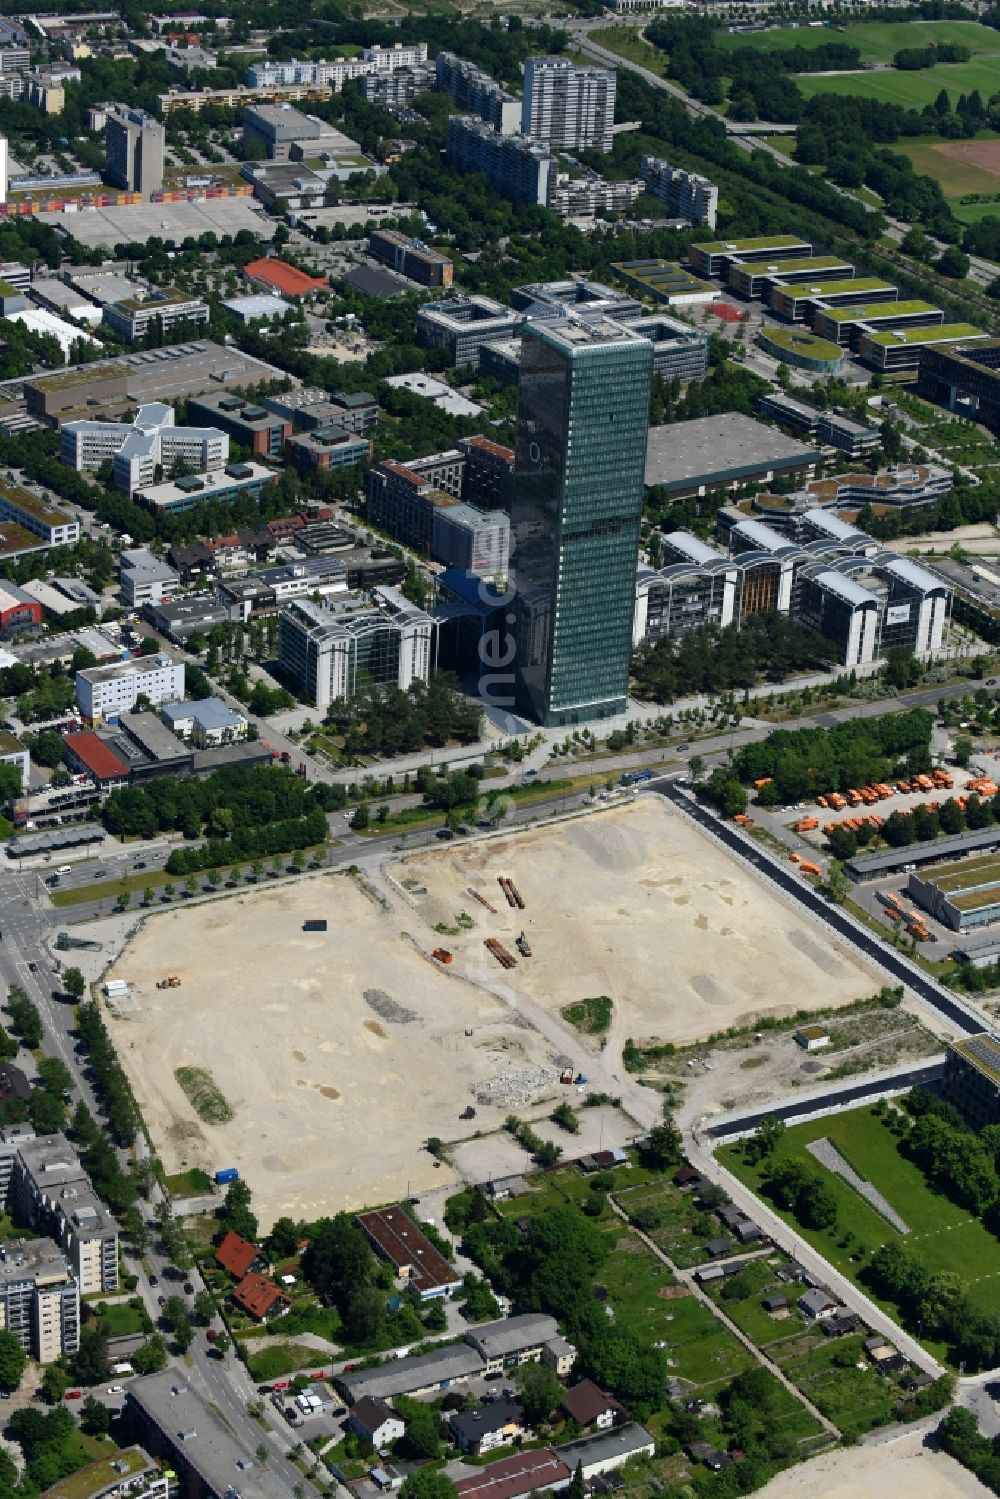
x=261, y=1298
x=587, y=1405
x=239, y=1256
x=374, y=1421
x=493, y=1423
x=817, y=1303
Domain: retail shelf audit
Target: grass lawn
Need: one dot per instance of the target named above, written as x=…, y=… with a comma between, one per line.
x=946, y=1237
x=877, y=41
x=624, y=41
x=971, y=213
x=699, y=1348
x=111, y=889
x=280, y=1359
x=120, y=1318
x=855, y=1400
x=193, y=1183
x=944, y=161
x=912, y=90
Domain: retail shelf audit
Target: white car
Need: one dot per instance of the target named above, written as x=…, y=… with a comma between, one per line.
x=116, y=1389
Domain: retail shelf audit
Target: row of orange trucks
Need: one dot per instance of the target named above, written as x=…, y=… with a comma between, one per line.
x=897, y=910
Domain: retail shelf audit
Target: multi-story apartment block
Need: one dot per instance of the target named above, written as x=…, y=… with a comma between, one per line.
x=686, y=194
x=397, y=91
x=36, y=515
x=329, y=651
x=567, y=107
x=42, y=1180
x=134, y=143
x=39, y=1299
x=138, y=448
x=373, y=62
x=410, y=257
x=108, y=691
x=590, y=195
x=475, y=92
x=518, y=167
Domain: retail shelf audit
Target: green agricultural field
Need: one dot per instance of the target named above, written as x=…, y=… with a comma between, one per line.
x=971, y=213
x=877, y=41
x=912, y=90
x=953, y=164
x=948, y=1237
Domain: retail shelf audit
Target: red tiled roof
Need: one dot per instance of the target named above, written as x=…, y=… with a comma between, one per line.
x=283, y=277
x=513, y=1476
x=95, y=756
x=236, y=1255
x=257, y=1295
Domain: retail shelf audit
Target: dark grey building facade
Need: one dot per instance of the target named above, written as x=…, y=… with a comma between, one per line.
x=583, y=408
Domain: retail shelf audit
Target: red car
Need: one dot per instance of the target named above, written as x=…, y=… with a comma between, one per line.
x=74, y=1394
x=282, y=1384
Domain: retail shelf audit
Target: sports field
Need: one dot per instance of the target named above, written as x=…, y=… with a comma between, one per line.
x=877, y=41
x=912, y=90
x=959, y=166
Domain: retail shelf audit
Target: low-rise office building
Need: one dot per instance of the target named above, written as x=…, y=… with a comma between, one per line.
x=144, y=578
x=253, y=426
x=161, y=308
x=964, y=895
x=463, y=324
x=841, y=432
x=19, y=611
x=94, y=758
x=137, y=449
x=843, y=325
x=108, y=691
x=410, y=257
x=206, y=722
x=713, y=259
x=902, y=484
x=39, y=1299
x=326, y=448
x=329, y=651
x=972, y=1078
x=396, y=1238
x=38, y=516
x=722, y=452
x=697, y=586
x=898, y=350
x=668, y=282
x=227, y=485
x=524, y=1339
x=680, y=352
x=844, y=611
x=754, y=279
x=964, y=377
x=799, y=302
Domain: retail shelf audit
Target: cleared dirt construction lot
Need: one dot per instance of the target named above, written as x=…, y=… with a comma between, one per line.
x=339, y=1052
x=876, y=1470
x=635, y=903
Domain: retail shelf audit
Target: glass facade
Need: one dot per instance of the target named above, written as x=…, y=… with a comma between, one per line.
x=583, y=412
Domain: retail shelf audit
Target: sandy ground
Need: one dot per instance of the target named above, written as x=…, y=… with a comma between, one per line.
x=982, y=154
x=638, y=904
x=332, y=1100
x=881, y=1471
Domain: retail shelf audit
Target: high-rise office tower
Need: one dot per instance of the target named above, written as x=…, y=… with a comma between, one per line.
x=583, y=413
x=134, y=146
x=568, y=107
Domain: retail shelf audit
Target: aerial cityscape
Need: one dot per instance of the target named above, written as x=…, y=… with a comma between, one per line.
x=500, y=750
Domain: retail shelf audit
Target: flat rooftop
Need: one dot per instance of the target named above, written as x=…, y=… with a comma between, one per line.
x=984, y=1054
x=943, y=333
x=95, y=227
x=34, y=504
x=797, y=263
x=761, y=242
x=208, y=1442
x=863, y=312
x=712, y=448
x=835, y=288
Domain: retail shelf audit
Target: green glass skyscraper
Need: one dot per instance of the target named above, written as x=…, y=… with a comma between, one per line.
x=583, y=413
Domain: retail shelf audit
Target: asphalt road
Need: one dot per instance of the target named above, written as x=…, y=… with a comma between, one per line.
x=840, y=1097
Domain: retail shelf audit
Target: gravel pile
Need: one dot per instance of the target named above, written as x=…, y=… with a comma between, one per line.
x=388, y=1008
x=518, y=1085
